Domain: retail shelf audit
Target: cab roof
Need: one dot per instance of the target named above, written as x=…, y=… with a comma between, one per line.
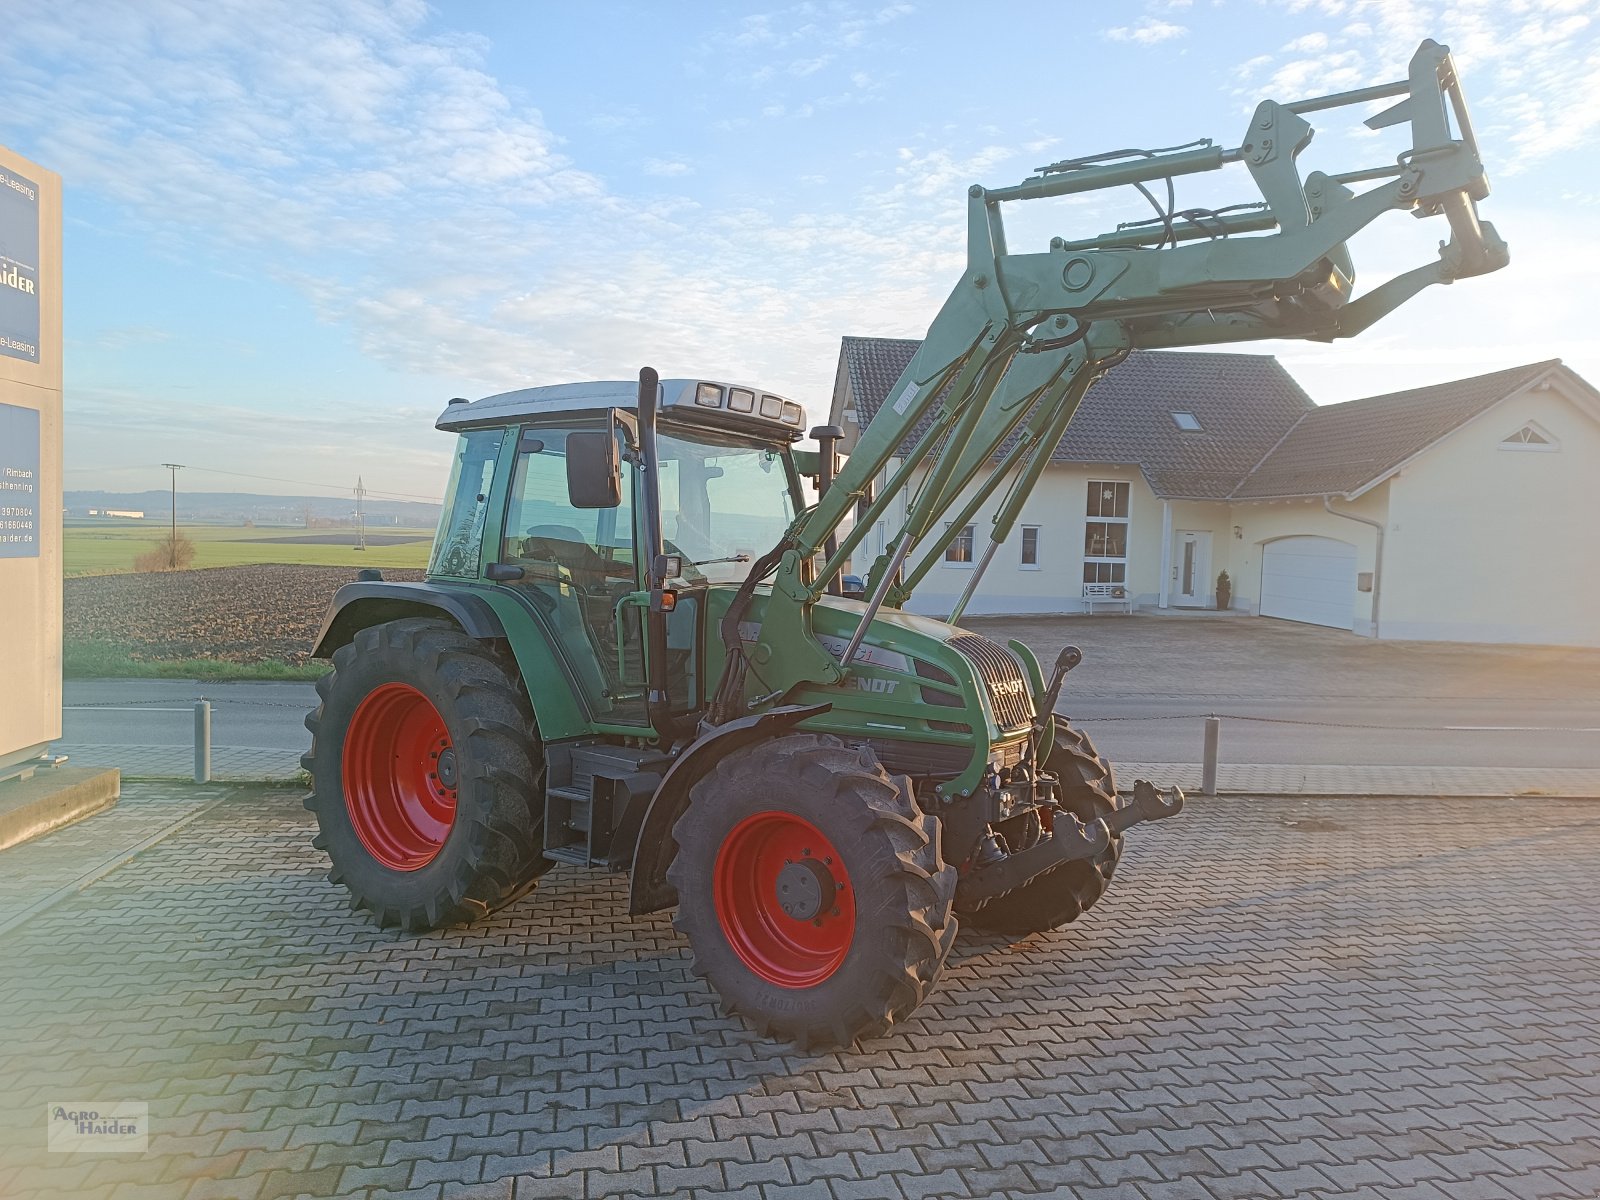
x=703, y=400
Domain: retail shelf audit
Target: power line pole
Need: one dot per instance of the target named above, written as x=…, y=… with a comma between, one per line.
x=361, y=520
x=172, y=546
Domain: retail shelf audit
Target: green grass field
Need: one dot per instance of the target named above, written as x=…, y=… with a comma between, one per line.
x=88, y=658
x=99, y=548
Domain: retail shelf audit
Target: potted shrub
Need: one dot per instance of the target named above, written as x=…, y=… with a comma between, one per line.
x=1224, y=590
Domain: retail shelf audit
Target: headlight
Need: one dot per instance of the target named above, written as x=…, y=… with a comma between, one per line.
x=741, y=400
x=709, y=395
x=771, y=406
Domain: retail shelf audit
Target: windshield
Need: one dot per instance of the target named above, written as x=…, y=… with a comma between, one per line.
x=723, y=503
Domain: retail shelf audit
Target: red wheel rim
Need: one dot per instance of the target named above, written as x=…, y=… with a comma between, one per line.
x=400, y=777
x=784, y=899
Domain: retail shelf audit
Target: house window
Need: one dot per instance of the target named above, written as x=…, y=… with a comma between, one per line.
x=1186, y=421
x=1105, y=532
x=1030, y=547
x=1530, y=437
x=959, y=551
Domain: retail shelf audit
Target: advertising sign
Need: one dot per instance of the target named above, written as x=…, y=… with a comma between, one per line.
x=19, y=266
x=19, y=482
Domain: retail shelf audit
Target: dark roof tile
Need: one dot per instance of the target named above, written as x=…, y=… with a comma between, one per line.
x=1244, y=402
x=1341, y=448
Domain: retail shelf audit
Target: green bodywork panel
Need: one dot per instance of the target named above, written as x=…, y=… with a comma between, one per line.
x=550, y=683
x=884, y=697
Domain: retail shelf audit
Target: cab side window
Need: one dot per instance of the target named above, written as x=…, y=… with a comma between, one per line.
x=457, y=547
x=543, y=526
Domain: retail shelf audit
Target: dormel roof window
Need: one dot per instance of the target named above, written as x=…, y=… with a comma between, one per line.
x=1531, y=436
x=1186, y=421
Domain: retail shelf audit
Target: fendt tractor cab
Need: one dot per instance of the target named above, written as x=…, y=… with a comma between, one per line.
x=635, y=650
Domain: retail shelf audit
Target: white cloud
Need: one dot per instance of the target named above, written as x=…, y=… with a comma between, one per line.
x=802, y=67
x=447, y=229
x=450, y=232
x=667, y=167
x=1305, y=45
x=126, y=337
x=1531, y=70
x=1148, y=32
x=303, y=125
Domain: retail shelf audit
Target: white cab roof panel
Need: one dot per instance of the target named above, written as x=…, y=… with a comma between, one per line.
x=719, y=403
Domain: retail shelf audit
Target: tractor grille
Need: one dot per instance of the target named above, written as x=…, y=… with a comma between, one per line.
x=921, y=758
x=1002, y=676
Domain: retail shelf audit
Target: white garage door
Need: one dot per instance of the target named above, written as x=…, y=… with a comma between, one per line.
x=1310, y=579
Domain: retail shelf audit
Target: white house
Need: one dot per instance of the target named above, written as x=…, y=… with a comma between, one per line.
x=1462, y=511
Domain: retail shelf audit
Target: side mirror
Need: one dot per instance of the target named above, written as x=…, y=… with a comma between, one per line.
x=594, y=472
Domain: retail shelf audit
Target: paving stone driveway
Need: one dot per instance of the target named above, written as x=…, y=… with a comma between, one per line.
x=1277, y=998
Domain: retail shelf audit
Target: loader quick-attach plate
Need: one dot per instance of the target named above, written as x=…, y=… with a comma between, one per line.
x=1148, y=804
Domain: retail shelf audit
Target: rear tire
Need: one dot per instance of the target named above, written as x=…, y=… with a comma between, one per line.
x=1063, y=894
x=812, y=890
x=427, y=776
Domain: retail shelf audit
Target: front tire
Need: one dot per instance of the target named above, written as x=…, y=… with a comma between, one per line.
x=1063, y=894
x=426, y=776
x=812, y=890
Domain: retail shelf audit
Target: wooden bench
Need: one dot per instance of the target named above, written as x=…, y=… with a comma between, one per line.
x=1115, y=595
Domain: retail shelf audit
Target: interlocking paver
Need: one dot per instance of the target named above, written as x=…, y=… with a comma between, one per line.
x=1262, y=1006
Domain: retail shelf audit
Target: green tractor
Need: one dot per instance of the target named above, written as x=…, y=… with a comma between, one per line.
x=635, y=649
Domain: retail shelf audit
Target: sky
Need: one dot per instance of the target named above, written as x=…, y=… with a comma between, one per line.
x=294, y=229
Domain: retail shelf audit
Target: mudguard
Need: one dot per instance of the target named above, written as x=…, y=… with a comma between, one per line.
x=358, y=605
x=648, y=887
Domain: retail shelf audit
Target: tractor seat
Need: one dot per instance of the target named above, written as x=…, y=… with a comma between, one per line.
x=564, y=545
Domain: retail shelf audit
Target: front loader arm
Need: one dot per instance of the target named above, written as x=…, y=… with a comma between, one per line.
x=1021, y=330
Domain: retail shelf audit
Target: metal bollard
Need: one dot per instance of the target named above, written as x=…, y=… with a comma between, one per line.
x=202, y=741
x=1208, y=768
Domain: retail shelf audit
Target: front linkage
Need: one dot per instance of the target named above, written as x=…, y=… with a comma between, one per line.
x=1070, y=840
x=1046, y=812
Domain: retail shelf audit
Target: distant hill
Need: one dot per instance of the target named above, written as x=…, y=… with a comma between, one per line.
x=235, y=508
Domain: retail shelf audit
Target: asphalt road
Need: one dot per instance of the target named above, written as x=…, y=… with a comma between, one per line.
x=1378, y=732
x=138, y=712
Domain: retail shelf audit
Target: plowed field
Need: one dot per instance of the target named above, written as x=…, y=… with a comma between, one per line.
x=231, y=614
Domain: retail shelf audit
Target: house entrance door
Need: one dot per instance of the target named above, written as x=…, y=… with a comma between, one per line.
x=1191, y=568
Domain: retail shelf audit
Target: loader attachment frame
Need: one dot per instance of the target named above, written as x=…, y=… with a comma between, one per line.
x=1023, y=335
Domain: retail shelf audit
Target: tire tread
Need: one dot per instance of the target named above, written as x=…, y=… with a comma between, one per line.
x=500, y=805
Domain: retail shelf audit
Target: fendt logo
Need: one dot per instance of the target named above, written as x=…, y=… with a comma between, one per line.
x=1007, y=687
x=883, y=686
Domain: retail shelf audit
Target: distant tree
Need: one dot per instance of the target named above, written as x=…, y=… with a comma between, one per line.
x=166, y=555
